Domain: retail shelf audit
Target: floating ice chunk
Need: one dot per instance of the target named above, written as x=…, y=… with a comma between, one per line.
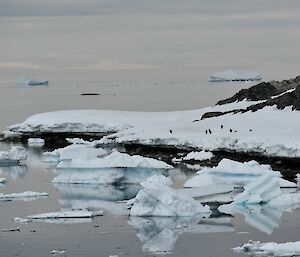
x=79, y=141
x=58, y=252
x=198, y=156
x=23, y=81
x=14, y=155
x=271, y=248
x=35, y=142
x=117, y=176
x=262, y=190
x=240, y=173
x=66, y=215
x=117, y=160
x=25, y=196
x=157, y=198
x=234, y=75
x=22, y=220
x=2, y=180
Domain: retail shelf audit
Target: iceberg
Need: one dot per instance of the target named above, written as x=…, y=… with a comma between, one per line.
x=13, y=156
x=271, y=248
x=116, y=176
x=35, y=142
x=24, y=81
x=157, y=198
x=198, y=156
x=116, y=160
x=239, y=173
x=234, y=75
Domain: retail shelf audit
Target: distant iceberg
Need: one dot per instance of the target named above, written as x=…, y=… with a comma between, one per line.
x=234, y=75
x=31, y=82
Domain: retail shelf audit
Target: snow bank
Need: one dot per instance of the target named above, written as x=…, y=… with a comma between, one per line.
x=116, y=160
x=237, y=173
x=271, y=248
x=35, y=142
x=23, y=81
x=234, y=75
x=26, y=196
x=157, y=198
x=116, y=176
x=198, y=156
x=15, y=154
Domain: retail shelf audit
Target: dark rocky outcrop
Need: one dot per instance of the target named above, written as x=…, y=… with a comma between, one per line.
x=263, y=91
x=267, y=91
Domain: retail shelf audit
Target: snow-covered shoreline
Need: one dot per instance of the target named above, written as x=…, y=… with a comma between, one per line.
x=265, y=127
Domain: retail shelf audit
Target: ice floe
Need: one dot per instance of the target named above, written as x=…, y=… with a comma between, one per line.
x=234, y=75
x=2, y=180
x=23, y=81
x=65, y=215
x=198, y=156
x=14, y=155
x=25, y=196
x=270, y=248
x=236, y=173
x=116, y=160
x=157, y=198
x=35, y=142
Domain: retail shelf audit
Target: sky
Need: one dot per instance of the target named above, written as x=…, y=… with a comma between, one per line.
x=130, y=7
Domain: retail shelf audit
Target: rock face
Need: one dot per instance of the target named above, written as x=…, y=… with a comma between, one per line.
x=263, y=91
x=282, y=94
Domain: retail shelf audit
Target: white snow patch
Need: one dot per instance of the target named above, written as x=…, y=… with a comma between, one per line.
x=234, y=75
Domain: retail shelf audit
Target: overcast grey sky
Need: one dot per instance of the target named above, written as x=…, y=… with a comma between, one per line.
x=95, y=7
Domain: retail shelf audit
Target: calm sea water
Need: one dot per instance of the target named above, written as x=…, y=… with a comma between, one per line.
x=142, y=63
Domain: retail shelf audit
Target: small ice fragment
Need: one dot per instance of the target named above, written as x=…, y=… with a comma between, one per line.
x=3, y=180
x=28, y=195
x=35, y=142
x=21, y=220
x=66, y=215
x=17, y=229
x=58, y=252
x=23, y=81
x=14, y=155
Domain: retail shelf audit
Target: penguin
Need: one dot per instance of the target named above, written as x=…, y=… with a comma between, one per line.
x=171, y=131
x=230, y=130
x=209, y=131
x=221, y=126
x=206, y=131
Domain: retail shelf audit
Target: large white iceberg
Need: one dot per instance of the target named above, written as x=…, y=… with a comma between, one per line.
x=24, y=81
x=270, y=249
x=116, y=160
x=234, y=75
x=237, y=173
x=116, y=176
x=14, y=155
x=157, y=198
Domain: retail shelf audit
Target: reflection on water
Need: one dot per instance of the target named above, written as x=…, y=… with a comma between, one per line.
x=14, y=171
x=262, y=217
x=160, y=234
